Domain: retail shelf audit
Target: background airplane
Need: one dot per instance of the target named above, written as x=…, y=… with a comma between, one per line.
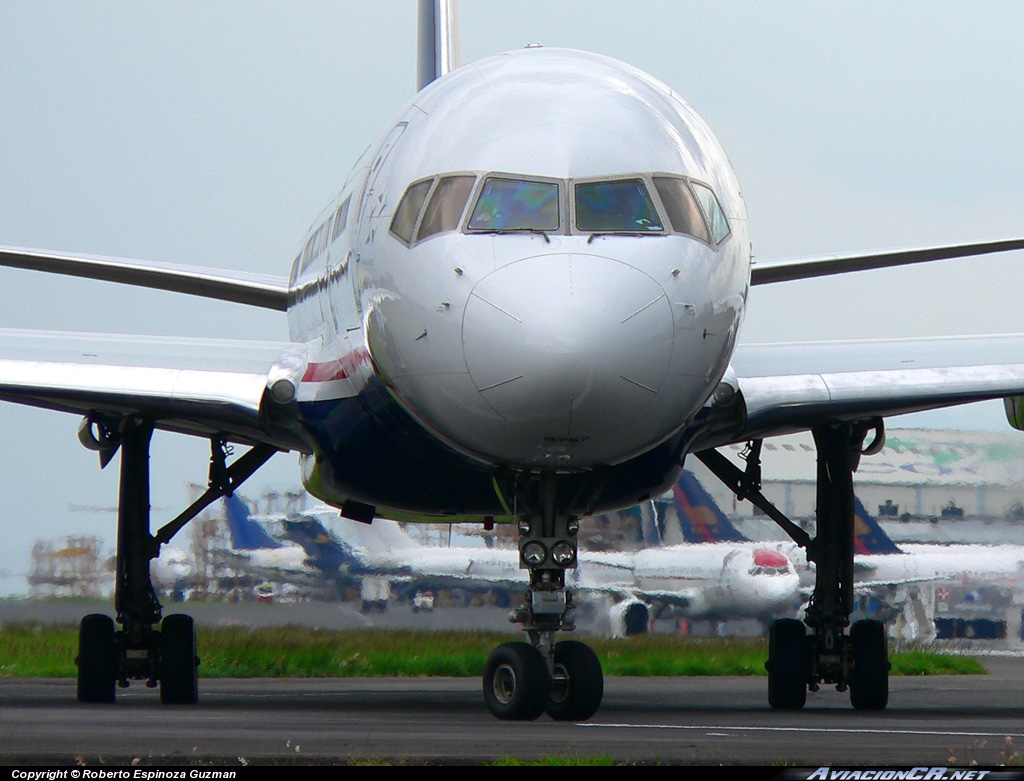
x=259, y=556
x=917, y=579
x=714, y=579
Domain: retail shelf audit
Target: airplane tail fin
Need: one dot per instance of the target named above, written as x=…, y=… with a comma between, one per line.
x=700, y=517
x=345, y=543
x=246, y=534
x=649, y=524
x=869, y=537
x=437, y=40
x=323, y=550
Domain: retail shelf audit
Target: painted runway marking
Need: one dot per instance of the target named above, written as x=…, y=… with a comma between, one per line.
x=835, y=730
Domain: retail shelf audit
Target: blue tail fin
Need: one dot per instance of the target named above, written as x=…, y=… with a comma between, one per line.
x=246, y=534
x=700, y=517
x=868, y=535
x=323, y=550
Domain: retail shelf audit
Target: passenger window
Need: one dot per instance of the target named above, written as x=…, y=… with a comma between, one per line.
x=715, y=215
x=514, y=204
x=683, y=213
x=408, y=210
x=446, y=206
x=619, y=206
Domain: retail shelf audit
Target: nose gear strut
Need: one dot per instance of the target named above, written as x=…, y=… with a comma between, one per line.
x=523, y=680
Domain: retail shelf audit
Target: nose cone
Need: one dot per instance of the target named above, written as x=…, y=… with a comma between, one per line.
x=568, y=347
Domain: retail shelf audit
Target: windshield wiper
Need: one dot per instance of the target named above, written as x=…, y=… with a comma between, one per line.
x=623, y=233
x=537, y=231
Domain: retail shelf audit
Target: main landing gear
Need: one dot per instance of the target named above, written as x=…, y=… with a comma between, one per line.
x=109, y=658
x=800, y=660
x=523, y=680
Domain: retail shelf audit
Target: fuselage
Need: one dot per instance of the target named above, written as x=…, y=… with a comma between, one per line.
x=541, y=265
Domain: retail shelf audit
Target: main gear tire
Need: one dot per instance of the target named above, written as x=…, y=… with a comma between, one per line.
x=869, y=680
x=97, y=659
x=787, y=664
x=179, y=676
x=516, y=682
x=578, y=684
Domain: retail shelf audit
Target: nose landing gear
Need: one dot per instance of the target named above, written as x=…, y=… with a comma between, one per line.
x=523, y=680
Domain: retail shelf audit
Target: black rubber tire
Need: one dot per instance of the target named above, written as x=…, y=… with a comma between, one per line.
x=179, y=678
x=516, y=682
x=869, y=681
x=579, y=697
x=787, y=664
x=97, y=659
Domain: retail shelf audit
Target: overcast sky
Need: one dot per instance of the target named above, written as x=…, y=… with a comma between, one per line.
x=212, y=133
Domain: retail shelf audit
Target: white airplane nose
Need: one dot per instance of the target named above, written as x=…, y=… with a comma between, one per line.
x=568, y=346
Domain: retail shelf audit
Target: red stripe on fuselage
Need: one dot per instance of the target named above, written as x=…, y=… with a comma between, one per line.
x=338, y=369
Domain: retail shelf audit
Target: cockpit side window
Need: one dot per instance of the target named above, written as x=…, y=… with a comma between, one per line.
x=619, y=206
x=516, y=205
x=404, y=222
x=683, y=212
x=716, y=217
x=340, y=219
x=447, y=203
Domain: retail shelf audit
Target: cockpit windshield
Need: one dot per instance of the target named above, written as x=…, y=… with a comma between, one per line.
x=620, y=206
x=516, y=204
x=769, y=562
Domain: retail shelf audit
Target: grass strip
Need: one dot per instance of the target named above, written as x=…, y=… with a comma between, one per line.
x=555, y=760
x=31, y=651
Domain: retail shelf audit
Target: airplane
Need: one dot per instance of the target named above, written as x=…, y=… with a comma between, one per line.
x=709, y=580
x=522, y=306
x=253, y=551
x=931, y=569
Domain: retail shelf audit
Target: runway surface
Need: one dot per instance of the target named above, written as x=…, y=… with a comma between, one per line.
x=666, y=720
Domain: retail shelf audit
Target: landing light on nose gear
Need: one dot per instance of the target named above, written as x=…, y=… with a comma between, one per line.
x=523, y=680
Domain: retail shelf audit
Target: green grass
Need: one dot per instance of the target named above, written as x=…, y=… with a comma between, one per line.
x=299, y=652
x=555, y=760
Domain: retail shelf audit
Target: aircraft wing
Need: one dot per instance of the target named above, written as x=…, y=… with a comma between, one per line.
x=786, y=270
x=205, y=387
x=792, y=387
x=262, y=290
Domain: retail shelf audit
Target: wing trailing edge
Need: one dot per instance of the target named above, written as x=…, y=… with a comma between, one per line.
x=265, y=291
x=788, y=270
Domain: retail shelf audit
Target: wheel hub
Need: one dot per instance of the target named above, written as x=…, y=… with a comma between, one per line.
x=504, y=684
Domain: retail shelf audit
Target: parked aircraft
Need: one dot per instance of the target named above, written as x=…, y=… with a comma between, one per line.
x=257, y=554
x=523, y=306
x=713, y=580
x=920, y=573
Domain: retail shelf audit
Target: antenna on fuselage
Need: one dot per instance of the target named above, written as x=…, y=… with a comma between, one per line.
x=437, y=40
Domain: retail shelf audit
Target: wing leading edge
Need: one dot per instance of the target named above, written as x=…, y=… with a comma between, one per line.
x=261, y=290
x=787, y=270
x=792, y=387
